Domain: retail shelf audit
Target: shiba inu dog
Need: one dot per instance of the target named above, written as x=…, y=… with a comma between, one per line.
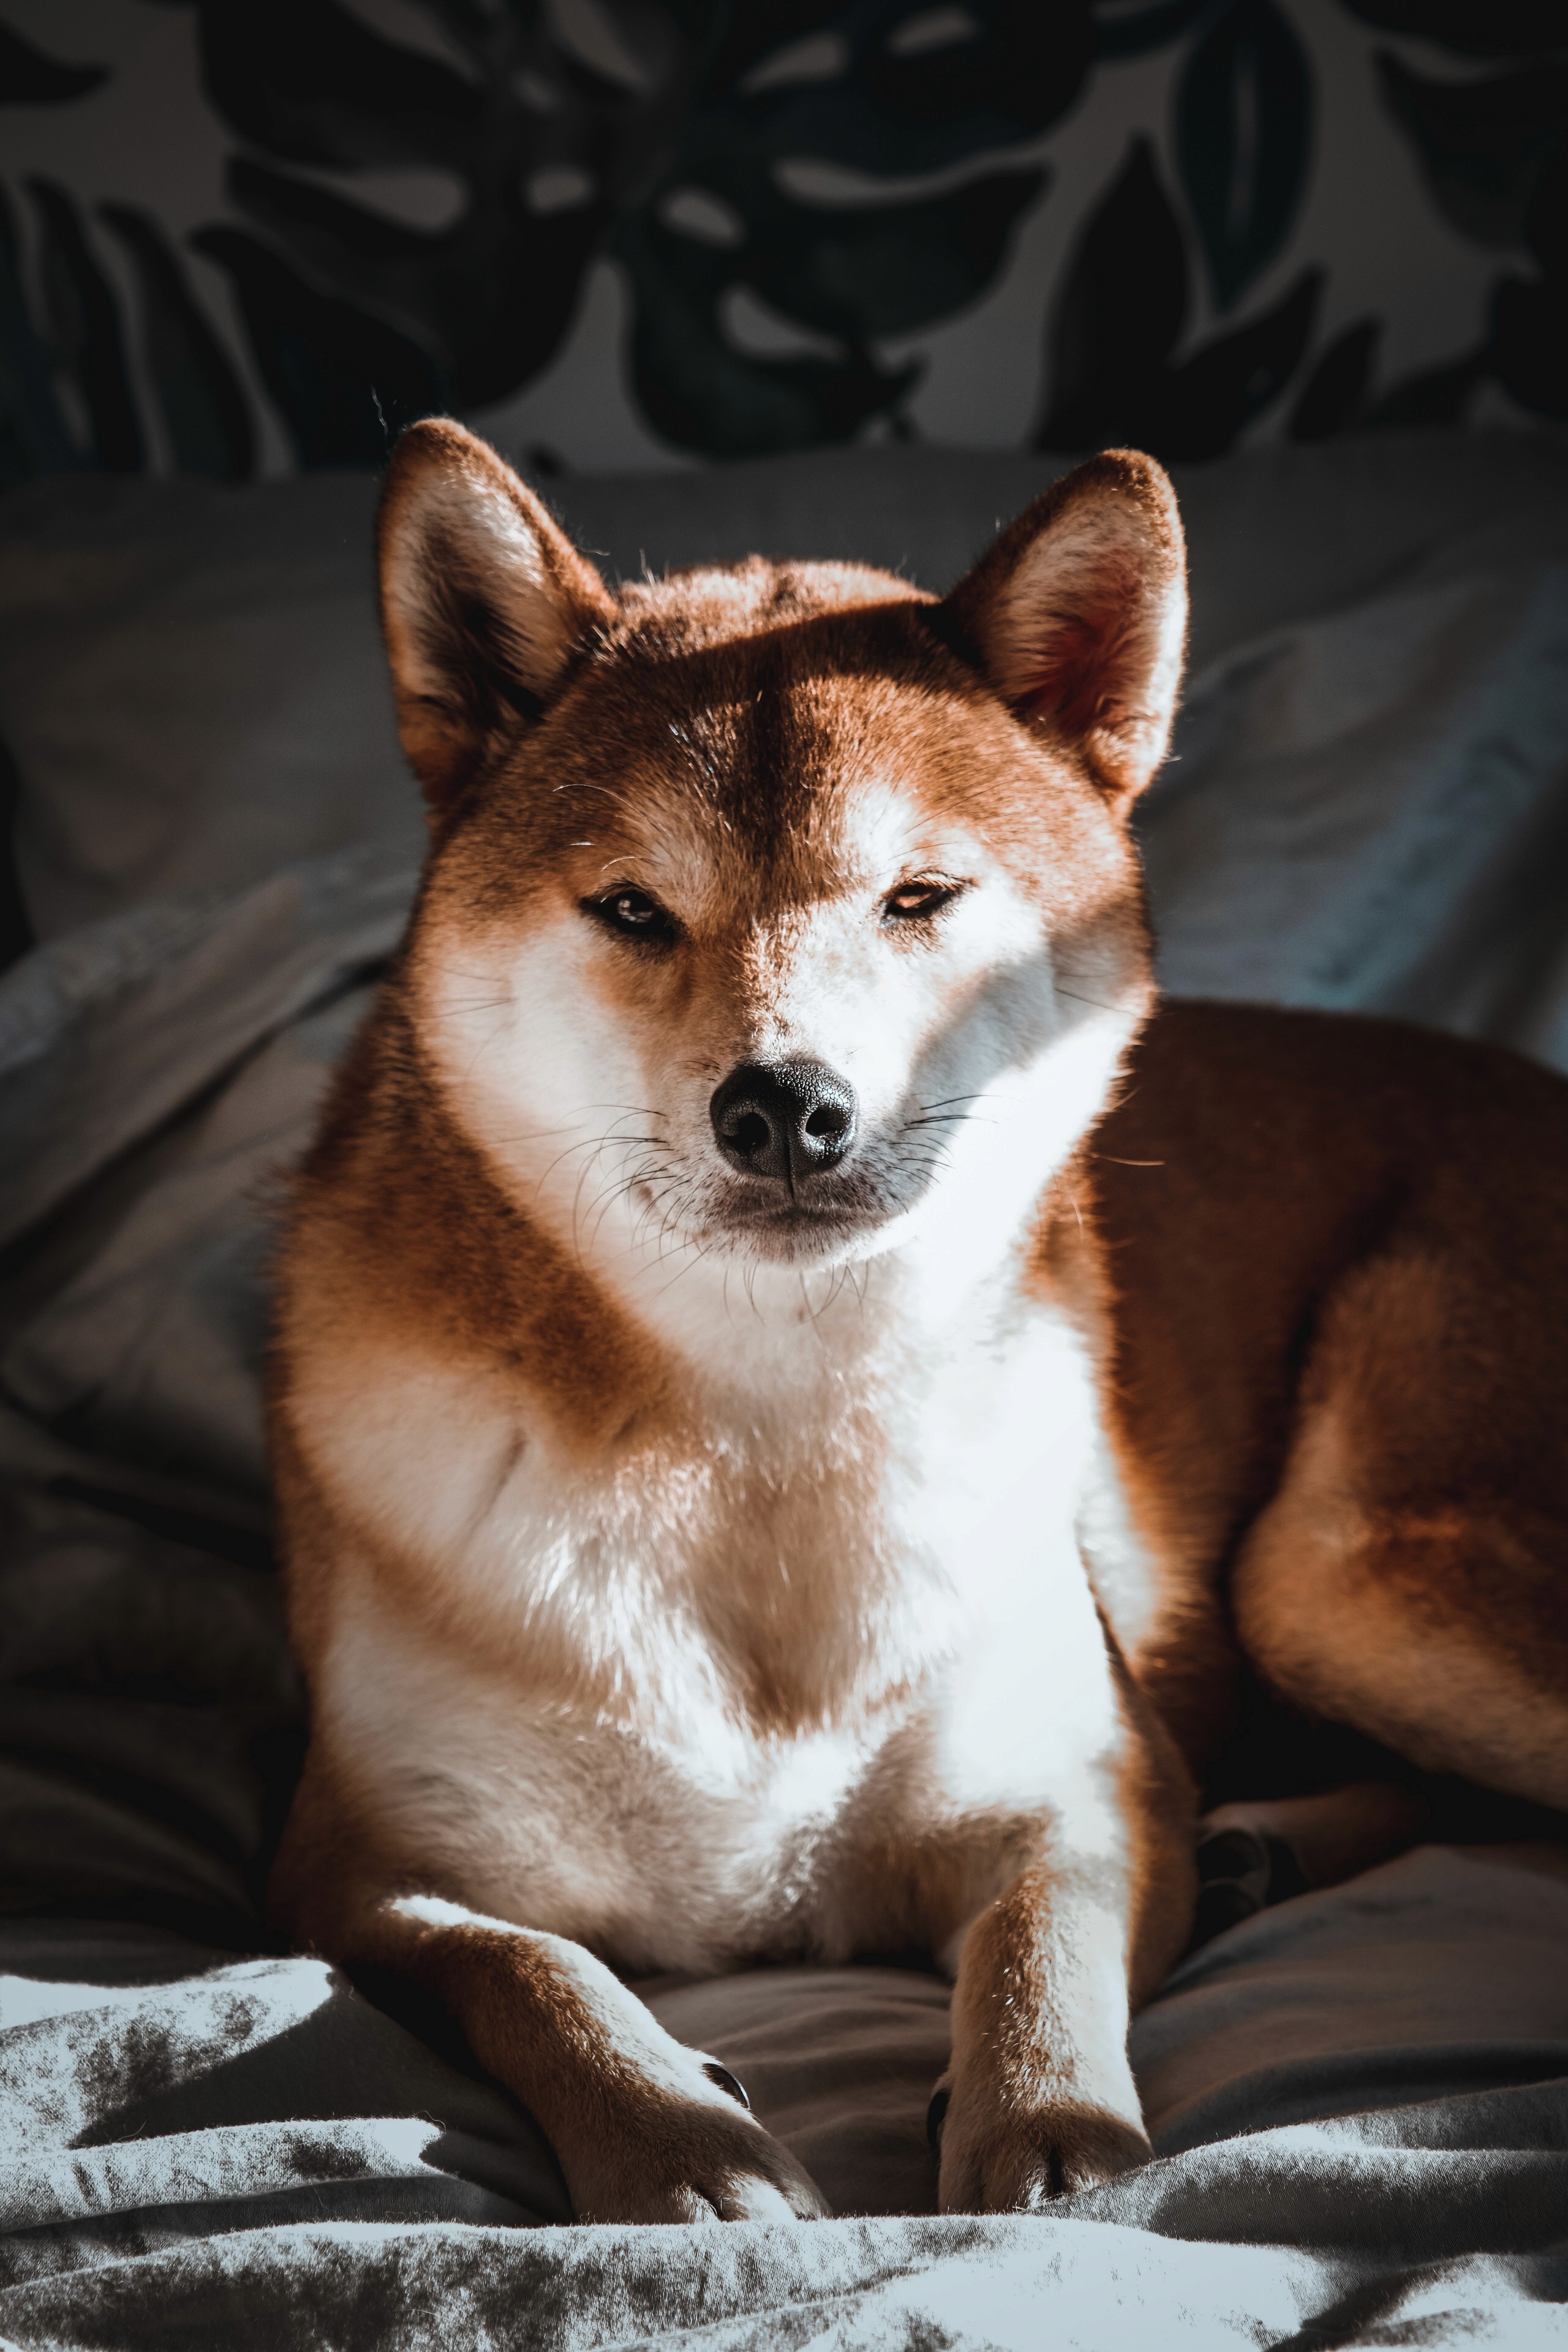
x=795, y=1388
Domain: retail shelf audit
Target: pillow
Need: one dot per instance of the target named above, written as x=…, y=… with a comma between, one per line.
x=1368, y=810
x=191, y=685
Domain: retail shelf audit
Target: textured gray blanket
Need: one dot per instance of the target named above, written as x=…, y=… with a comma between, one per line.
x=1360, y=2099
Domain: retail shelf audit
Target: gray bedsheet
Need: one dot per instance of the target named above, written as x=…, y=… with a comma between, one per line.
x=1360, y=2099
x=211, y=2149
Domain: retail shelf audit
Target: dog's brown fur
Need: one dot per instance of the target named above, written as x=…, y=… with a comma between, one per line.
x=1341, y=1370
x=1312, y=1272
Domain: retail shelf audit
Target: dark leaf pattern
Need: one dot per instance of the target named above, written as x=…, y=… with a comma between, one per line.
x=488, y=301
x=32, y=434
x=1438, y=395
x=1546, y=223
x=886, y=270
x=311, y=83
x=1021, y=67
x=1484, y=146
x=1244, y=132
x=204, y=405
x=702, y=392
x=1475, y=28
x=85, y=330
x=1123, y=32
x=1494, y=154
x=748, y=163
x=28, y=78
x=1529, y=343
x=1229, y=381
x=1121, y=314
x=559, y=161
x=1334, y=395
x=345, y=382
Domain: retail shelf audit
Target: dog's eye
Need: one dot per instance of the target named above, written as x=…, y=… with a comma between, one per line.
x=632, y=912
x=916, y=902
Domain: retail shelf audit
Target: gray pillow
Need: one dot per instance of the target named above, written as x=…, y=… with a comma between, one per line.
x=191, y=686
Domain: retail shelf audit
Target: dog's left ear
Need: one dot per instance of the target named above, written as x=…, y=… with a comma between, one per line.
x=1077, y=615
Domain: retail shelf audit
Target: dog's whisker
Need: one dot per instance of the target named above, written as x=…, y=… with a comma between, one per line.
x=1097, y=1002
x=953, y=1118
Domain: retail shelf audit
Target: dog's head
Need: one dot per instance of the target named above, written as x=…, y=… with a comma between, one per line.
x=782, y=912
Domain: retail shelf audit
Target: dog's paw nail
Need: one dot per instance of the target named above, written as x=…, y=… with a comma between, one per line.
x=935, y=2114
x=727, y=2082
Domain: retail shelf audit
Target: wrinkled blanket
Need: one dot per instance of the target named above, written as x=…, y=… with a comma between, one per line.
x=1360, y=2099
x=244, y=2152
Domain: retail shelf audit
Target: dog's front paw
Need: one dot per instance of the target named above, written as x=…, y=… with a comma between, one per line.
x=1003, y=2157
x=669, y=2159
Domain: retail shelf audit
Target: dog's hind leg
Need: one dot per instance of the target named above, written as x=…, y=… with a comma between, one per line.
x=1262, y=1850
x=1329, y=1836
x=1410, y=1576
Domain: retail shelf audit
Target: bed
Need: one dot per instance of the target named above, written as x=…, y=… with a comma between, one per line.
x=1359, y=2098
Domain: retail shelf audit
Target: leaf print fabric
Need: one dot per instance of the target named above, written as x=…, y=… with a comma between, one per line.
x=737, y=228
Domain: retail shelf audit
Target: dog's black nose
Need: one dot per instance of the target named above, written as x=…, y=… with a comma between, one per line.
x=787, y=1120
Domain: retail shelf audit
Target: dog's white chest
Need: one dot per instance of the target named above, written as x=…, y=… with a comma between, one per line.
x=776, y=1677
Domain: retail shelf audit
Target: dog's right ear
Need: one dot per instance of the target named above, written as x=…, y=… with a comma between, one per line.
x=484, y=602
x=1077, y=615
